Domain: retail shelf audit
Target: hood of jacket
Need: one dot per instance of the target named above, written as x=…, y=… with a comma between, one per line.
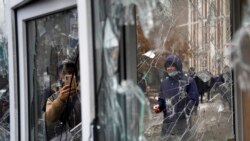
x=173, y=60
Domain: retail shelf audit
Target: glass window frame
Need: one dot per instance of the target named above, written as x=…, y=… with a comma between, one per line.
x=235, y=20
x=31, y=11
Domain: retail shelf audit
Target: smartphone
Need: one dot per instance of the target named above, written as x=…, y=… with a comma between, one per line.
x=67, y=80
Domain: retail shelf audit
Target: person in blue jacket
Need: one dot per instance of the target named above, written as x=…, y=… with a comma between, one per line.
x=177, y=99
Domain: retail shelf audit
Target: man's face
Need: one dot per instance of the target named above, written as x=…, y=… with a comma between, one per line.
x=171, y=69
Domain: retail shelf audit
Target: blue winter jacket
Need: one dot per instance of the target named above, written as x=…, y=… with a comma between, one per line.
x=178, y=94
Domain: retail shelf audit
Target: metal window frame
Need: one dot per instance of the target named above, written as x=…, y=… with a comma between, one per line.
x=28, y=12
x=13, y=75
x=87, y=75
x=235, y=20
x=18, y=75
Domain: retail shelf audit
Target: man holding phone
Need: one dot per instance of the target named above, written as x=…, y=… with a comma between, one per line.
x=64, y=105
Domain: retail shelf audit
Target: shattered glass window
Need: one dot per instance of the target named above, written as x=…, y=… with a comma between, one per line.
x=185, y=97
x=4, y=84
x=120, y=103
x=193, y=101
x=53, y=78
x=240, y=52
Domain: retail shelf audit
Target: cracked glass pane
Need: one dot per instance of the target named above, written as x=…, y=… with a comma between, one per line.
x=191, y=88
x=4, y=87
x=240, y=51
x=54, y=95
x=120, y=104
x=184, y=70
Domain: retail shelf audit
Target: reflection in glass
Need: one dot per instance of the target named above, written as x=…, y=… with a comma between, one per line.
x=54, y=96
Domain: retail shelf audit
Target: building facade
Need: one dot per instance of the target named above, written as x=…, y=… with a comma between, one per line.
x=209, y=34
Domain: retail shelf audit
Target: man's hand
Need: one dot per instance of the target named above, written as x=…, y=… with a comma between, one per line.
x=156, y=108
x=65, y=92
